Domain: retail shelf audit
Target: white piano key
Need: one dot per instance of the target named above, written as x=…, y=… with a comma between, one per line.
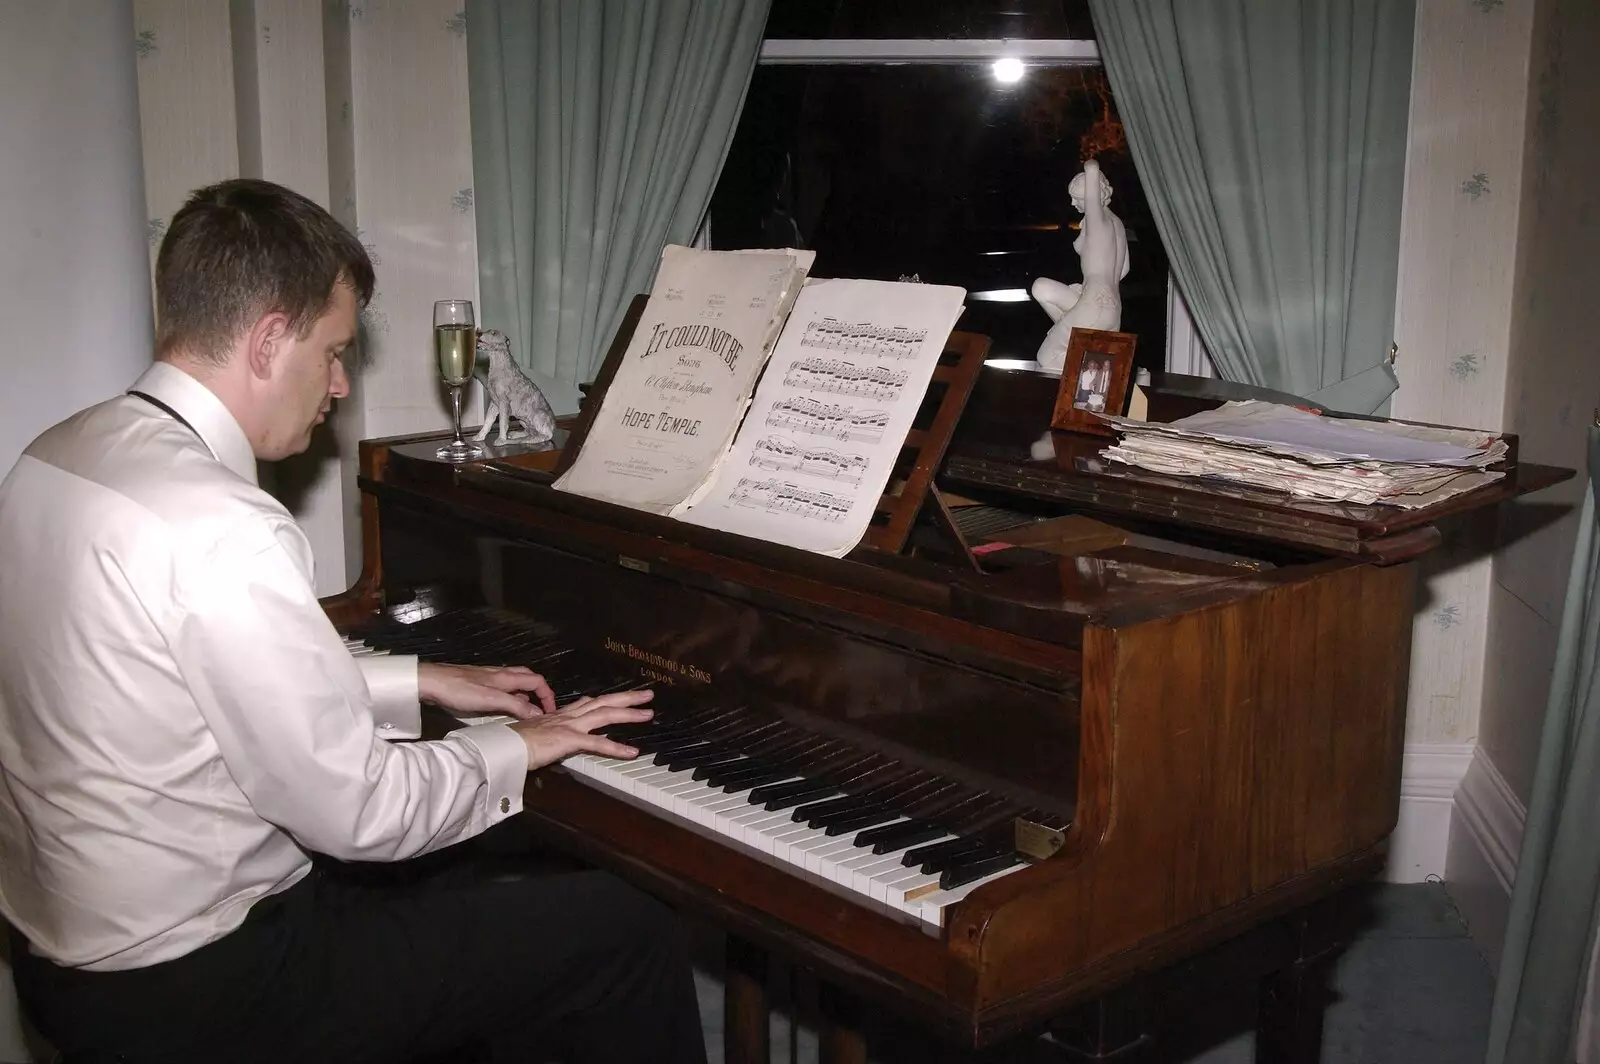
x=931, y=908
x=833, y=862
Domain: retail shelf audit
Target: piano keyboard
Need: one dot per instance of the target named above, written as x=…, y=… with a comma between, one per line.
x=906, y=842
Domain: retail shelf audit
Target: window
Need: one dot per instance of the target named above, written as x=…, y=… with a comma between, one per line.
x=882, y=135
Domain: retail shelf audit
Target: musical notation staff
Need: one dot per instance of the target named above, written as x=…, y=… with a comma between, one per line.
x=828, y=419
x=842, y=377
x=778, y=497
x=883, y=341
x=781, y=455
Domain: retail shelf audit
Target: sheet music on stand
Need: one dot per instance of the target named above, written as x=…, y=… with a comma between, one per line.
x=674, y=402
x=1283, y=448
x=828, y=420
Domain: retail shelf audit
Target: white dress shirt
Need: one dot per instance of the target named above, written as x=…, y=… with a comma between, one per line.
x=179, y=722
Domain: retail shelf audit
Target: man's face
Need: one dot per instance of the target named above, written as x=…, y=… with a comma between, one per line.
x=308, y=376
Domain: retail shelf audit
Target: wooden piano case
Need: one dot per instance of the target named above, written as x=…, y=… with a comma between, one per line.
x=1213, y=701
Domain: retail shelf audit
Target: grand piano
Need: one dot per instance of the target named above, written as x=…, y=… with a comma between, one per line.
x=1089, y=738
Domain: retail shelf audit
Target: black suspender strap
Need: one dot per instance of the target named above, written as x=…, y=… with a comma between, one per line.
x=153, y=401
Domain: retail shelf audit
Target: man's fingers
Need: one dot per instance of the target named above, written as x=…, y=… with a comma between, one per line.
x=599, y=744
x=522, y=678
x=605, y=716
x=615, y=698
x=515, y=706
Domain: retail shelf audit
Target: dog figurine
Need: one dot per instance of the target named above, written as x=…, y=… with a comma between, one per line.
x=511, y=394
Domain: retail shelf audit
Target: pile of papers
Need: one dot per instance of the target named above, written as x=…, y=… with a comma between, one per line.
x=1286, y=449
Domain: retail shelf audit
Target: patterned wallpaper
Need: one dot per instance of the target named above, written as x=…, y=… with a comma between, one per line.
x=413, y=153
x=363, y=107
x=1453, y=310
x=1554, y=376
x=186, y=102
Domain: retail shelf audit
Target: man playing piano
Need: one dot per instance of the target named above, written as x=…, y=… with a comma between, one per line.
x=180, y=727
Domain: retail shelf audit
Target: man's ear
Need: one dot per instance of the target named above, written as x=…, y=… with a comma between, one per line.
x=267, y=341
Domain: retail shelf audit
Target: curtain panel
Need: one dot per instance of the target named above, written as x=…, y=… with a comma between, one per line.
x=598, y=130
x=1546, y=1005
x=1270, y=138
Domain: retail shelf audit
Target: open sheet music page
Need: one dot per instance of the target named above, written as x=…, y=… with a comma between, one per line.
x=674, y=404
x=831, y=413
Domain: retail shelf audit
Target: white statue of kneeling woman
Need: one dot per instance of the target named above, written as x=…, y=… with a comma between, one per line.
x=1102, y=248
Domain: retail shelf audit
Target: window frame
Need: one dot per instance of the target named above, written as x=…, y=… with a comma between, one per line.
x=777, y=51
x=1185, y=351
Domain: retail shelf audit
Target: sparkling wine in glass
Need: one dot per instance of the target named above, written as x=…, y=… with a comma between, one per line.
x=455, y=344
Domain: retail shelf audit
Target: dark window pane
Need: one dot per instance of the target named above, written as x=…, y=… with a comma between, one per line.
x=943, y=173
x=934, y=19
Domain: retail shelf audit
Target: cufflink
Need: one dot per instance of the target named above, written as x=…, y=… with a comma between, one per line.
x=387, y=725
x=505, y=805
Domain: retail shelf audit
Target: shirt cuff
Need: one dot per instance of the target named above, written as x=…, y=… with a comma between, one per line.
x=505, y=765
x=392, y=683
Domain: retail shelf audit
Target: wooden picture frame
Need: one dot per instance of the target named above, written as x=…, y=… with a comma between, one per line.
x=1094, y=380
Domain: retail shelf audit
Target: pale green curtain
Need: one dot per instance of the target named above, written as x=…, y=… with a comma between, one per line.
x=1270, y=138
x=598, y=131
x=1554, y=905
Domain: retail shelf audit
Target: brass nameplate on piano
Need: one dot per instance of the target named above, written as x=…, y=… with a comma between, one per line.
x=635, y=564
x=658, y=666
x=1036, y=840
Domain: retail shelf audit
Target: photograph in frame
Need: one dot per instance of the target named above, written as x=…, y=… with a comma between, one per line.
x=1094, y=380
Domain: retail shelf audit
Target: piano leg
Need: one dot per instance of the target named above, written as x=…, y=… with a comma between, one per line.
x=745, y=1038
x=842, y=1041
x=1294, y=998
x=1289, y=1025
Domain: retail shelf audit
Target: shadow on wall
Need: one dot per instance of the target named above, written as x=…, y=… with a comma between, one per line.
x=1482, y=534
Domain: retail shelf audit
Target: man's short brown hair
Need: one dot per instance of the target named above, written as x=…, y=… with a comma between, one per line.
x=243, y=248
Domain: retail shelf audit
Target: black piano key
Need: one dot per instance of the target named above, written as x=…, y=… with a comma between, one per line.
x=780, y=796
x=982, y=815
x=812, y=810
x=935, y=856
x=845, y=812
x=892, y=837
x=965, y=872
x=670, y=745
x=706, y=769
x=691, y=758
x=866, y=818
x=755, y=775
x=750, y=766
x=652, y=742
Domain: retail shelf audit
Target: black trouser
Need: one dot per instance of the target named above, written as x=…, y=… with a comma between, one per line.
x=573, y=967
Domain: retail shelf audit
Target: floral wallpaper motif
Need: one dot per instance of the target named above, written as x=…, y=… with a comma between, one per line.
x=155, y=229
x=372, y=248
x=374, y=322
x=461, y=202
x=1487, y=6
x=457, y=24
x=1476, y=186
x=145, y=45
x=1466, y=366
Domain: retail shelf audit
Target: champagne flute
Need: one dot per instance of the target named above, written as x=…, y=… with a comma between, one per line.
x=455, y=343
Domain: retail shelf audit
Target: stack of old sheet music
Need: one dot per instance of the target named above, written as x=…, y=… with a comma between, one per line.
x=1284, y=448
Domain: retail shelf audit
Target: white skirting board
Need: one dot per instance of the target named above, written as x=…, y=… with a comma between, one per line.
x=1481, y=863
x=1429, y=777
